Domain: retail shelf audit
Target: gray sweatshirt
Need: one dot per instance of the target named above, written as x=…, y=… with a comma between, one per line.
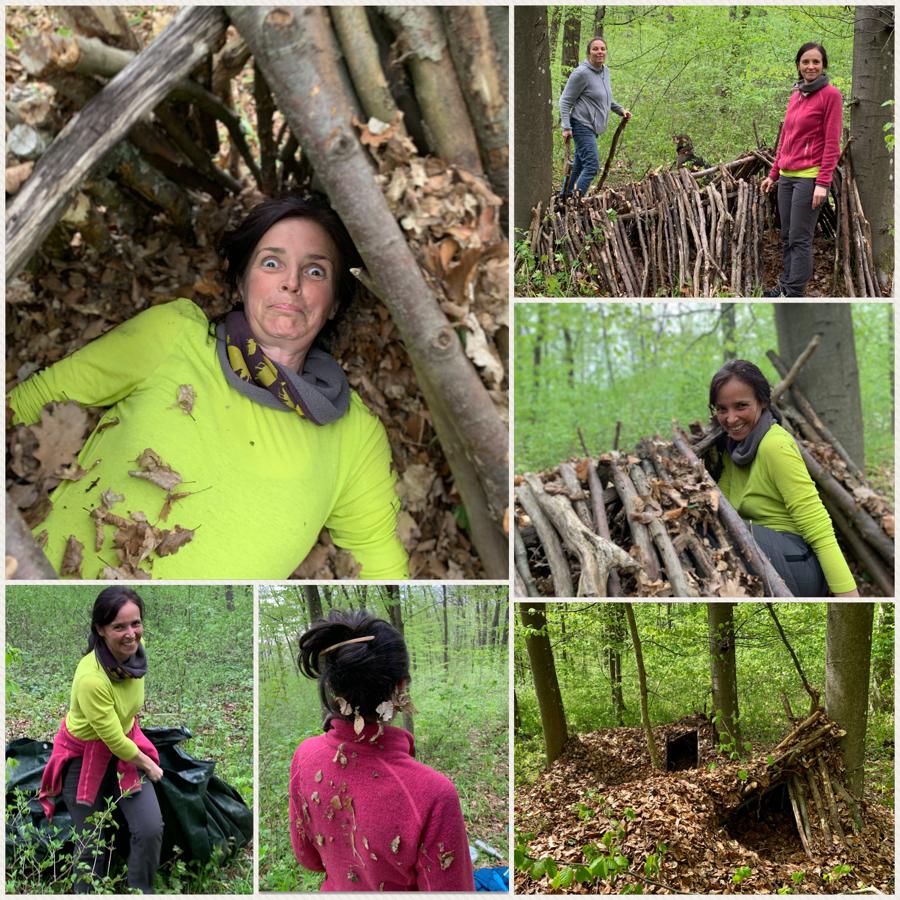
x=588, y=98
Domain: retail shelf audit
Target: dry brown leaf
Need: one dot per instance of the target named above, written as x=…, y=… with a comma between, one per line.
x=123, y=573
x=174, y=540
x=16, y=176
x=395, y=844
x=185, y=399
x=60, y=435
x=154, y=470
x=171, y=499
x=73, y=556
x=415, y=485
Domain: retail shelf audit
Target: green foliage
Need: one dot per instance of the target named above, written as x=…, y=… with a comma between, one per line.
x=741, y=874
x=642, y=364
x=199, y=642
x=461, y=723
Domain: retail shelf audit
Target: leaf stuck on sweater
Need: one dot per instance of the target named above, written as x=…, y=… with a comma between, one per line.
x=72, y=557
x=174, y=540
x=185, y=399
x=154, y=470
x=395, y=844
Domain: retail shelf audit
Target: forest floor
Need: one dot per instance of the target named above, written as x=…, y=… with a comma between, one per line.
x=663, y=829
x=72, y=292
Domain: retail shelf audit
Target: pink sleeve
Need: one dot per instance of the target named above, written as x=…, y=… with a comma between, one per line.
x=443, y=863
x=773, y=174
x=832, y=128
x=306, y=852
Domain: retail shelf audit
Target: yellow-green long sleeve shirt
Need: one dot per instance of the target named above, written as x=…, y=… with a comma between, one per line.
x=263, y=481
x=776, y=491
x=103, y=710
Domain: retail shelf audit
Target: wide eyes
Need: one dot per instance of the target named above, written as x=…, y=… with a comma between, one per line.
x=314, y=270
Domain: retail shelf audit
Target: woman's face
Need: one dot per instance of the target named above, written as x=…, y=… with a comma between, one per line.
x=123, y=634
x=737, y=408
x=810, y=65
x=597, y=53
x=289, y=285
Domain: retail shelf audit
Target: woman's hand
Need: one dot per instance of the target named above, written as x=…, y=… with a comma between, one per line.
x=146, y=765
x=819, y=195
x=567, y=134
x=767, y=185
x=853, y=593
x=626, y=114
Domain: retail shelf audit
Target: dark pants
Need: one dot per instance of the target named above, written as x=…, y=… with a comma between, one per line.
x=145, y=826
x=798, y=222
x=586, y=160
x=793, y=559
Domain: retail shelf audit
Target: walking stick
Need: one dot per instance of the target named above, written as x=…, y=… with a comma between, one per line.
x=612, y=150
x=567, y=169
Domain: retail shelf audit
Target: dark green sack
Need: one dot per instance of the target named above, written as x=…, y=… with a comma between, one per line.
x=200, y=811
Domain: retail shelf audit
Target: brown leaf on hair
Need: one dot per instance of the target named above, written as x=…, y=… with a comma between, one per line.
x=72, y=557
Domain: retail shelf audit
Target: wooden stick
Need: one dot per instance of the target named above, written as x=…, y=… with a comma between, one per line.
x=556, y=559
x=523, y=571
x=612, y=150
x=576, y=495
x=829, y=799
x=863, y=551
x=798, y=819
x=820, y=808
x=639, y=532
x=787, y=378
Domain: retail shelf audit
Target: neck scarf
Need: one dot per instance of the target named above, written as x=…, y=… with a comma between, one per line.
x=810, y=87
x=133, y=667
x=321, y=393
x=744, y=452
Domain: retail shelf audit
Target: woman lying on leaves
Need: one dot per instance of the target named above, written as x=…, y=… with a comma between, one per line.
x=764, y=477
x=362, y=809
x=226, y=448
x=99, y=753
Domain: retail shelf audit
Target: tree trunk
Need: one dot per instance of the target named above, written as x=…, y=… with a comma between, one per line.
x=642, y=680
x=830, y=379
x=729, y=333
x=720, y=618
x=479, y=65
x=873, y=163
x=446, y=641
x=98, y=127
x=617, y=640
x=543, y=671
x=848, y=645
x=447, y=122
x=24, y=558
x=533, y=119
x=313, y=602
x=599, y=16
x=571, y=49
x=295, y=48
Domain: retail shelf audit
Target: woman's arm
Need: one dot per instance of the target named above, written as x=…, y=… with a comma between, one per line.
x=104, y=371
x=305, y=850
x=831, y=132
x=148, y=766
x=811, y=519
x=444, y=863
x=572, y=91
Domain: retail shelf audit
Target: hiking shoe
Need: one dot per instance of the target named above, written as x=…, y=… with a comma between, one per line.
x=775, y=292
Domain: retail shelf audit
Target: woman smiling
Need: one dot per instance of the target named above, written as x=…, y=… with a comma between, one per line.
x=765, y=479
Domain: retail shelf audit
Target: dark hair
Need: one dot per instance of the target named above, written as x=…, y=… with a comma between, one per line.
x=811, y=45
x=237, y=245
x=596, y=37
x=744, y=371
x=106, y=607
x=364, y=674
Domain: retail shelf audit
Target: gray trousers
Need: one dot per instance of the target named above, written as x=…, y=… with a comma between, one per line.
x=798, y=222
x=793, y=559
x=145, y=826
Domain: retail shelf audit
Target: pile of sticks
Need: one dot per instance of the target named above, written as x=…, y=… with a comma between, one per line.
x=698, y=234
x=807, y=763
x=653, y=523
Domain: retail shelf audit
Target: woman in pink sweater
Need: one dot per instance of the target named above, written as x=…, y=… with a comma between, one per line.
x=807, y=154
x=362, y=809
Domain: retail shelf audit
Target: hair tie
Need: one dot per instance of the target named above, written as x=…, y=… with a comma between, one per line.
x=359, y=640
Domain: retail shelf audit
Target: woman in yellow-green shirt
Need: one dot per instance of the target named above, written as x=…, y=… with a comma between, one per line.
x=765, y=479
x=100, y=754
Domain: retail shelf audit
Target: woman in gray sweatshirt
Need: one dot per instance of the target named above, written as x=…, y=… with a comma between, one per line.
x=584, y=109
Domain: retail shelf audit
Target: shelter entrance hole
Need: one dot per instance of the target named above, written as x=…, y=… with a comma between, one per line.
x=765, y=824
x=682, y=752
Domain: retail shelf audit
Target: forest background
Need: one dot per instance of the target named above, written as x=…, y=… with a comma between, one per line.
x=711, y=72
x=199, y=641
x=457, y=639
x=643, y=364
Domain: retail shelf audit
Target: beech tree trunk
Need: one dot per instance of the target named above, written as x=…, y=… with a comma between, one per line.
x=88, y=136
x=543, y=671
x=873, y=163
x=642, y=680
x=313, y=602
x=830, y=379
x=720, y=618
x=571, y=49
x=296, y=50
x=616, y=642
x=848, y=650
x=533, y=118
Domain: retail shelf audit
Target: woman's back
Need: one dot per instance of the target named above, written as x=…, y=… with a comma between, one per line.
x=373, y=817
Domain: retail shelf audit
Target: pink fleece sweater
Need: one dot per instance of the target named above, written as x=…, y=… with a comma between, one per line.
x=811, y=134
x=372, y=817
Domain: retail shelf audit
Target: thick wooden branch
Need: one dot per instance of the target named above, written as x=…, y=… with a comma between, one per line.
x=556, y=558
x=24, y=559
x=101, y=125
x=639, y=532
x=295, y=48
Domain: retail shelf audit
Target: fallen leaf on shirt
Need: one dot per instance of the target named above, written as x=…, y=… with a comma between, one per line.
x=109, y=498
x=171, y=499
x=154, y=470
x=336, y=802
x=123, y=573
x=60, y=435
x=446, y=859
x=318, y=775
x=72, y=557
x=185, y=400
x=174, y=540
x=395, y=844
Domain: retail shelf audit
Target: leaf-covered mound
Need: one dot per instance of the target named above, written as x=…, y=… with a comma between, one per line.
x=602, y=800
